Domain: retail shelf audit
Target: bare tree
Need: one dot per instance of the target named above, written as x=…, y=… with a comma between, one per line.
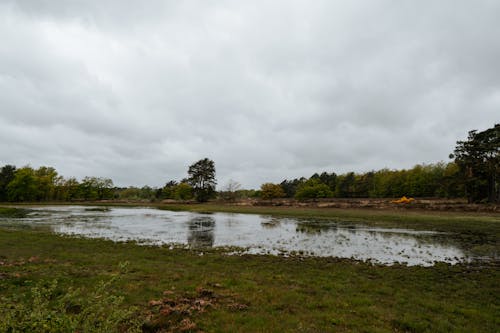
x=231, y=190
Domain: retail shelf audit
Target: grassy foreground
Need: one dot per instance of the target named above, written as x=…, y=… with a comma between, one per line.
x=179, y=289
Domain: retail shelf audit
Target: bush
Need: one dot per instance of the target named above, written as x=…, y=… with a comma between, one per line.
x=313, y=189
x=47, y=308
x=269, y=191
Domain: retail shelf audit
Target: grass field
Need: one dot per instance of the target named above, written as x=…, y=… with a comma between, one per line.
x=214, y=292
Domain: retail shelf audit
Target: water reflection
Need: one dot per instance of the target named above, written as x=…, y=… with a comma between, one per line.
x=379, y=244
x=316, y=227
x=201, y=231
x=256, y=234
x=271, y=222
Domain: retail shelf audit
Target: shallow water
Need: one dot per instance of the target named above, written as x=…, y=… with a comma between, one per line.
x=254, y=234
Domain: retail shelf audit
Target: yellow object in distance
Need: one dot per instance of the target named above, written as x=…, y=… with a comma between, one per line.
x=403, y=200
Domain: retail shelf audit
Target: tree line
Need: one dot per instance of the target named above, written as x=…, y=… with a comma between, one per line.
x=474, y=174
x=27, y=184
x=433, y=180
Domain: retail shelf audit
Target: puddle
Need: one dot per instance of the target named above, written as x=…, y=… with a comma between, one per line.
x=254, y=234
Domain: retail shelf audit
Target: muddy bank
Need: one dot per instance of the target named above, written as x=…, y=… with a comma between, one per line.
x=458, y=205
x=429, y=204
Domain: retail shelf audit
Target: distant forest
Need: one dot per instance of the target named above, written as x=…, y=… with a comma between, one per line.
x=434, y=180
x=474, y=174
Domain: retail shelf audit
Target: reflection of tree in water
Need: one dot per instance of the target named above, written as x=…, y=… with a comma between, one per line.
x=231, y=221
x=315, y=227
x=271, y=223
x=201, y=231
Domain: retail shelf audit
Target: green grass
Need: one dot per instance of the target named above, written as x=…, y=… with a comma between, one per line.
x=277, y=294
x=10, y=212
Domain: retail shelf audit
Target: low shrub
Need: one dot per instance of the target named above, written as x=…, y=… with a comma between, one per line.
x=48, y=308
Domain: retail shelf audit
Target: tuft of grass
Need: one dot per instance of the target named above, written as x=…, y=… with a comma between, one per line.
x=97, y=209
x=11, y=212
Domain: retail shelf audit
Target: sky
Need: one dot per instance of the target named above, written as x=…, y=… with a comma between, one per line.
x=136, y=91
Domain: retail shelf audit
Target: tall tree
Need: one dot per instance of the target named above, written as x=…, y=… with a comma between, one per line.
x=290, y=186
x=7, y=173
x=329, y=179
x=96, y=188
x=46, y=180
x=202, y=179
x=345, y=185
x=70, y=189
x=24, y=185
x=365, y=186
x=104, y=188
x=478, y=158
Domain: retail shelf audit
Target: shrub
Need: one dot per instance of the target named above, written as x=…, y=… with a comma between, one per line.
x=47, y=308
x=313, y=189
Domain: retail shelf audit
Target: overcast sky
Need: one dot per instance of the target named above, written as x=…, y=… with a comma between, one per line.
x=138, y=90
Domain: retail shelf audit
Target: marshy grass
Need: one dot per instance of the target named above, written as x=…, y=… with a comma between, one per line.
x=11, y=212
x=97, y=209
x=259, y=293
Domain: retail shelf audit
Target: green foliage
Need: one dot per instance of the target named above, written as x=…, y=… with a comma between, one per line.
x=202, y=179
x=183, y=191
x=96, y=188
x=7, y=174
x=46, y=179
x=68, y=190
x=146, y=193
x=13, y=212
x=433, y=180
x=478, y=159
x=177, y=191
x=23, y=187
x=346, y=186
x=475, y=174
x=129, y=193
x=290, y=186
x=269, y=191
x=133, y=193
x=249, y=193
x=168, y=191
x=313, y=189
x=47, y=308
x=44, y=184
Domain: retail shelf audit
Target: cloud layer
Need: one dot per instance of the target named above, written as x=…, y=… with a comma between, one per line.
x=267, y=89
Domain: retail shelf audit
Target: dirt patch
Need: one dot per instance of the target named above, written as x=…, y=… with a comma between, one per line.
x=175, y=312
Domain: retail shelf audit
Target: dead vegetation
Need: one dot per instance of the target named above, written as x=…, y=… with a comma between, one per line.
x=176, y=312
x=431, y=204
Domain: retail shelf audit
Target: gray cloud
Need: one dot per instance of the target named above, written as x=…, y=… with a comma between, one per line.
x=269, y=90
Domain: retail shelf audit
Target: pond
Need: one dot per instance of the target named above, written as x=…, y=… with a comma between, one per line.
x=252, y=234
